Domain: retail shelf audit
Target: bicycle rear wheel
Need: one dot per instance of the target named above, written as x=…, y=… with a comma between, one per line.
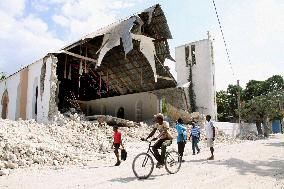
x=143, y=165
x=172, y=162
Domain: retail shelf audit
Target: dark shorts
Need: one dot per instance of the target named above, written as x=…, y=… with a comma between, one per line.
x=116, y=147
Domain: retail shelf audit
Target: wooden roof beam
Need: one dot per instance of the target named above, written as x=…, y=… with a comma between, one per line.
x=80, y=56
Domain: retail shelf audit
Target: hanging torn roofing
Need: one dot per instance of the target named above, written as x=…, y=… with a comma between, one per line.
x=122, y=58
x=149, y=25
x=128, y=56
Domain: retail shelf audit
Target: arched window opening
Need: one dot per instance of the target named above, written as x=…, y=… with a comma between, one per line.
x=36, y=95
x=120, y=113
x=5, y=101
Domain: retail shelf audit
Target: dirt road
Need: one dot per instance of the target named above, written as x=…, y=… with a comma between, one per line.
x=257, y=164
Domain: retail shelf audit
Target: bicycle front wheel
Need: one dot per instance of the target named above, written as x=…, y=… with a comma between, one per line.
x=172, y=162
x=143, y=165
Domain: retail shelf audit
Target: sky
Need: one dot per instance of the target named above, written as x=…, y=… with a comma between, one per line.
x=253, y=29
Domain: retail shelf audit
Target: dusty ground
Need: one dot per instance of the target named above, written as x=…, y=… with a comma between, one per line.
x=257, y=164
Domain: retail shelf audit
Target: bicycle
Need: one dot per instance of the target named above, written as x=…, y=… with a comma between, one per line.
x=143, y=163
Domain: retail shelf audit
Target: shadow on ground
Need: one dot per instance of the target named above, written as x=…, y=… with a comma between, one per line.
x=277, y=144
x=130, y=179
x=272, y=168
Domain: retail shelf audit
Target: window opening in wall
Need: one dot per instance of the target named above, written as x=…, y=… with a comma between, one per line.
x=139, y=111
x=36, y=95
x=42, y=78
x=120, y=113
x=5, y=101
x=193, y=54
x=186, y=55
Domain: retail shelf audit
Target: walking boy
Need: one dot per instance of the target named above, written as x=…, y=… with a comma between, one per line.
x=195, y=135
x=210, y=135
x=116, y=144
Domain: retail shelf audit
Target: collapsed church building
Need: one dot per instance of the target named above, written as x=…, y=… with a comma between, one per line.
x=118, y=70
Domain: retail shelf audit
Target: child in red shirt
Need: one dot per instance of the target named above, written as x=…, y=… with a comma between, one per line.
x=116, y=144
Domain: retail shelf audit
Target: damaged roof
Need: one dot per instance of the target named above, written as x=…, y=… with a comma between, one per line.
x=129, y=55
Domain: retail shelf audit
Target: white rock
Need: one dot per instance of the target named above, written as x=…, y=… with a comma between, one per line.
x=11, y=165
x=13, y=157
x=22, y=163
x=2, y=165
x=55, y=162
x=4, y=172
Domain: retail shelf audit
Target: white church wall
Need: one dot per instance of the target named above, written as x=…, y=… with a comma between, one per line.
x=11, y=85
x=110, y=106
x=35, y=73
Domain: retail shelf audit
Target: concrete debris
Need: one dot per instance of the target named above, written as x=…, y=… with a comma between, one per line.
x=65, y=141
x=68, y=140
x=4, y=172
x=249, y=136
x=110, y=120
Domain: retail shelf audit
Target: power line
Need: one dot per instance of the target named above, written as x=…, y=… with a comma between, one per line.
x=225, y=43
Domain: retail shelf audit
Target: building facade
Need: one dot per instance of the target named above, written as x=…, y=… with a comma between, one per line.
x=195, y=65
x=27, y=93
x=111, y=70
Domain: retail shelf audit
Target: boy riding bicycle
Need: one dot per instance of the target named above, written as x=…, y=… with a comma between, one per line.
x=164, y=138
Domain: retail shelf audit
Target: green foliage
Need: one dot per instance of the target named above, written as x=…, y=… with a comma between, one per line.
x=164, y=105
x=222, y=105
x=260, y=100
x=257, y=88
x=253, y=89
x=192, y=96
x=274, y=83
x=263, y=107
x=232, y=92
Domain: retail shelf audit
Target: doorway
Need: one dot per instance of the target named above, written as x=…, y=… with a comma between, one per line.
x=120, y=113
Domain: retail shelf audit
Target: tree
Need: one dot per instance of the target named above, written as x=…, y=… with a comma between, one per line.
x=274, y=83
x=253, y=89
x=263, y=108
x=222, y=106
x=232, y=92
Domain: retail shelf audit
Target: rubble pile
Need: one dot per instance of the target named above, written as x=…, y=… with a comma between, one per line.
x=221, y=137
x=68, y=140
x=248, y=136
x=62, y=142
x=110, y=120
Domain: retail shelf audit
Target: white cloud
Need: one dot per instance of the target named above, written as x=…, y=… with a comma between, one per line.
x=12, y=7
x=23, y=40
x=85, y=16
x=27, y=38
x=61, y=20
x=34, y=24
x=39, y=6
